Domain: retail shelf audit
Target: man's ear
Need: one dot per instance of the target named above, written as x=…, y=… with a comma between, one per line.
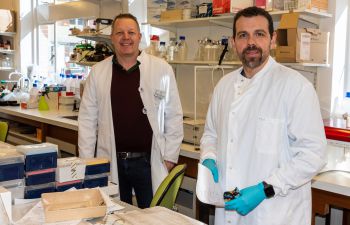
x=273, y=40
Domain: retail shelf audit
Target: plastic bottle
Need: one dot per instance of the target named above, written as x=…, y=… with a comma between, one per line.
x=73, y=83
x=182, y=49
x=162, y=50
x=153, y=48
x=77, y=86
x=33, y=97
x=172, y=50
x=346, y=108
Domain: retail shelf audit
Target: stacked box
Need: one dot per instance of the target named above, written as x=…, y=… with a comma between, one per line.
x=155, y=8
x=35, y=191
x=70, y=172
x=11, y=164
x=315, y=5
x=16, y=187
x=40, y=168
x=96, y=172
x=237, y=5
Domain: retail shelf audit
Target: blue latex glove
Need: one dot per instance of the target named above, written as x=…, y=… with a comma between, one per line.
x=211, y=165
x=248, y=199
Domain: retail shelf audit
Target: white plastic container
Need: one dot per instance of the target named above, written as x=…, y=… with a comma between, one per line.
x=33, y=97
x=69, y=169
x=182, y=49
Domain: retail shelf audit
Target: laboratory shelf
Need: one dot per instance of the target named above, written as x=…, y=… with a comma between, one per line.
x=194, y=62
x=83, y=63
x=10, y=52
x=227, y=19
x=6, y=68
x=94, y=37
x=8, y=34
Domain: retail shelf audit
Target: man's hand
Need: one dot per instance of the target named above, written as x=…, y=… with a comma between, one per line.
x=169, y=165
x=211, y=165
x=247, y=200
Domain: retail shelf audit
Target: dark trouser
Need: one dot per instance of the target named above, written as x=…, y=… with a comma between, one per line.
x=135, y=173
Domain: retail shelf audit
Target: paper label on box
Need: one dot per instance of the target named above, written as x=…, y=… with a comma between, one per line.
x=305, y=40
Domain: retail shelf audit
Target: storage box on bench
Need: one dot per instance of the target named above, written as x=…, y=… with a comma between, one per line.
x=70, y=169
x=11, y=164
x=35, y=191
x=96, y=166
x=39, y=156
x=16, y=187
x=40, y=176
x=98, y=180
x=78, y=184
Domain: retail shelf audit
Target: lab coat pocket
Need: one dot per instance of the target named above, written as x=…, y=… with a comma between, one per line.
x=269, y=135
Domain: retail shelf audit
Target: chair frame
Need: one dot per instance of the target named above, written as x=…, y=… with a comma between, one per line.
x=170, y=184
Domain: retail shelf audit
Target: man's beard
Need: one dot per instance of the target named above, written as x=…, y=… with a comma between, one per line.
x=252, y=62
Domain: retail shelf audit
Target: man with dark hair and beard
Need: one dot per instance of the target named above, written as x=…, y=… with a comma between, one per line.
x=264, y=132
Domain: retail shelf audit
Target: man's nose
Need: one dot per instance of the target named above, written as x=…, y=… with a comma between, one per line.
x=251, y=40
x=126, y=35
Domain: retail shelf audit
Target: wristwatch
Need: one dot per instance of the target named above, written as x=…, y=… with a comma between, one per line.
x=268, y=189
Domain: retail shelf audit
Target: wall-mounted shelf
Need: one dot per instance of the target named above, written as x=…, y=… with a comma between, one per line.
x=194, y=62
x=84, y=63
x=226, y=20
x=11, y=34
x=6, y=68
x=10, y=52
x=94, y=37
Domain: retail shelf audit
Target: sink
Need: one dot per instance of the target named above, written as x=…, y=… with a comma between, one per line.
x=70, y=117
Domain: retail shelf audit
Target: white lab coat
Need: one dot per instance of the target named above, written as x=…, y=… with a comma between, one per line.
x=273, y=132
x=162, y=105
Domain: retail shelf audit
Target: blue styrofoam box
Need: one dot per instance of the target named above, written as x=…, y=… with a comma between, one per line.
x=92, y=181
x=97, y=169
x=40, y=161
x=40, y=178
x=64, y=187
x=11, y=164
x=35, y=191
x=11, y=171
x=39, y=156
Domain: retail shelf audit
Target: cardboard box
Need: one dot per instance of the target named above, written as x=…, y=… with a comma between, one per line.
x=221, y=6
x=73, y=205
x=315, y=5
x=237, y=5
x=7, y=20
x=300, y=44
x=170, y=15
x=193, y=130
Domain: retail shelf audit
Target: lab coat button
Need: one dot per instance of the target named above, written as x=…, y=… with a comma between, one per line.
x=231, y=140
x=140, y=89
x=228, y=221
x=144, y=111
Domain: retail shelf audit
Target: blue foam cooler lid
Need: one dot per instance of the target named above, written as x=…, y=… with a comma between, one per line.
x=37, y=148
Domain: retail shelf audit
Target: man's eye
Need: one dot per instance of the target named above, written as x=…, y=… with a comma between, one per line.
x=241, y=36
x=260, y=34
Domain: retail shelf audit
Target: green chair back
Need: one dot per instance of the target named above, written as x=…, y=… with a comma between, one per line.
x=4, y=128
x=167, y=191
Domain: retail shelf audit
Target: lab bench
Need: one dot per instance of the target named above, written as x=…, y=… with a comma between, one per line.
x=332, y=188
x=47, y=126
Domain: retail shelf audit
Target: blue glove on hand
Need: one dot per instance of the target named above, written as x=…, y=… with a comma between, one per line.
x=211, y=165
x=248, y=199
